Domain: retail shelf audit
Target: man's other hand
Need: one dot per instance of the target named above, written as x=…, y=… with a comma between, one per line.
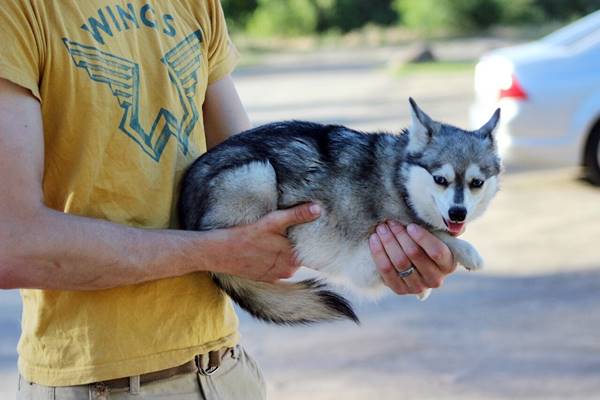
x=396, y=248
x=261, y=251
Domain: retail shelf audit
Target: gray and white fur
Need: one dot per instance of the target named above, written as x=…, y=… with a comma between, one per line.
x=433, y=174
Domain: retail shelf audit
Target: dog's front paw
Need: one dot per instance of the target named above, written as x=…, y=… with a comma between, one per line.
x=463, y=252
x=424, y=294
x=468, y=257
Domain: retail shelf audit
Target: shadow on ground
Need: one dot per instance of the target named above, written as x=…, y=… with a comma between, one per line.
x=481, y=336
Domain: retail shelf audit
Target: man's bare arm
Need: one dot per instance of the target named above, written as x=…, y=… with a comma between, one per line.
x=47, y=249
x=224, y=114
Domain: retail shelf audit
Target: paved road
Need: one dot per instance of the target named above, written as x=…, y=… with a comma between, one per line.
x=523, y=329
x=526, y=328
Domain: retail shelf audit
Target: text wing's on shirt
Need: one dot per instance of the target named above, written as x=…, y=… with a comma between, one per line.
x=183, y=62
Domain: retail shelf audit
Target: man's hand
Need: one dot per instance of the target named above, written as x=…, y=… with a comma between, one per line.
x=396, y=248
x=262, y=251
x=43, y=248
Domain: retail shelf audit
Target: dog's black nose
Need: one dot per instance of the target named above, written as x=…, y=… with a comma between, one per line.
x=457, y=214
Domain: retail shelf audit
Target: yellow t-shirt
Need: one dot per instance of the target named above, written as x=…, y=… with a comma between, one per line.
x=121, y=86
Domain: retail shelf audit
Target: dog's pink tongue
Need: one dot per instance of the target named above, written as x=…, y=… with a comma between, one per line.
x=455, y=227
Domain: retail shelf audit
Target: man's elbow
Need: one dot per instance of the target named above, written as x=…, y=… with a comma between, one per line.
x=11, y=266
x=15, y=252
x=8, y=277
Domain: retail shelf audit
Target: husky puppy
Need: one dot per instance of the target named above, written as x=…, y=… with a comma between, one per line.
x=433, y=174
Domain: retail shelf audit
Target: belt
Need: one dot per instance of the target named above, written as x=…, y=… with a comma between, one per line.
x=204, y=364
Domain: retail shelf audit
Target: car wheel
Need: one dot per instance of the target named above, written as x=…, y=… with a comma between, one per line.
x=592, y=156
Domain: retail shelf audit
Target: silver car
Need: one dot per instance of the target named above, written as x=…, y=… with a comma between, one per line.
x=549, y=93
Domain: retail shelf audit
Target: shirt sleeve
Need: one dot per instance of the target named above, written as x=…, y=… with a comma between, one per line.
x=222, y=54
x=21, y=46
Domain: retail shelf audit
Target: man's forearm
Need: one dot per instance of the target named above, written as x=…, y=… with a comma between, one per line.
x=52, y=250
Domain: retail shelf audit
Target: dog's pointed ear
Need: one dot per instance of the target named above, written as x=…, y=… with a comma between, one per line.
x=488, y=130
x=421, y=128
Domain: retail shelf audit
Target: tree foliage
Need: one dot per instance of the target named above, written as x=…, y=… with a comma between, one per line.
x=346, y=15
x=238, y=12
x=561, y=10
x=287, y=18
x=298, y=17
x=468, y=16
x=519, y=12
x=457, y=16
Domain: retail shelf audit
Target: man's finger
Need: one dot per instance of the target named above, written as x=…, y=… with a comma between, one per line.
x=283, y=219
x=429, y=273
x=392, y=248
x=388, y=273
x=436, y=249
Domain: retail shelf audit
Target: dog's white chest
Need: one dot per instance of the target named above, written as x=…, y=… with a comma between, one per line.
x=347, y=263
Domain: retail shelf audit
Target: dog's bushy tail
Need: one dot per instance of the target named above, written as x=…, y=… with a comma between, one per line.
x=286, y=303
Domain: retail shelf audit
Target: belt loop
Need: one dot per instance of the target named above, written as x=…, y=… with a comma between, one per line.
x=134, y=384
x=235, y=351
x=198, y=362
x=213, y=363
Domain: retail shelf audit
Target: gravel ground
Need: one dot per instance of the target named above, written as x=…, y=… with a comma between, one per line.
x=525, y=328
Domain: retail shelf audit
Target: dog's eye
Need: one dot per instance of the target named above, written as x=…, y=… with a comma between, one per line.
x=476, y=183
x=440, y=180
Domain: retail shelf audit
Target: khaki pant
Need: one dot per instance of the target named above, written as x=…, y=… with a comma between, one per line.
x=238, y=377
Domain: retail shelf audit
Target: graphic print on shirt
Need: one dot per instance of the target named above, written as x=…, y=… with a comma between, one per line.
x=183, y=63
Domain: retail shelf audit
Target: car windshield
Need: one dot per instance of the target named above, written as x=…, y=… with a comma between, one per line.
x=575, y=32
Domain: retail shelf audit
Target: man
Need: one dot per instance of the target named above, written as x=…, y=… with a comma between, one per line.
x=102, y=108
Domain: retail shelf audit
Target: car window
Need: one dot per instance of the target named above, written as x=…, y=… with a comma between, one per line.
x=575, y=32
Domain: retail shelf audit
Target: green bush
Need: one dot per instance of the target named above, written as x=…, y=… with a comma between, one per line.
x=476, y=15
x=346, y=15
x=423, y=16
x=467, y=16
x=457, y=16
x=428, y=17
x=285, y=18
x=564, y=10
x=238, y=12
x=521, y=12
